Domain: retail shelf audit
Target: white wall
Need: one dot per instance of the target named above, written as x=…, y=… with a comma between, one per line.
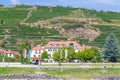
x=10, y=55
x=51, y=51
x=36, y=53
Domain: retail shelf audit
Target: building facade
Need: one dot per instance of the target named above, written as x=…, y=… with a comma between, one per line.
x=36, y=52
x=9, y=53
x=53, y=46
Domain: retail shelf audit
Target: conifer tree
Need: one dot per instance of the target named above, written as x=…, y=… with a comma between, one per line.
x=111, y=51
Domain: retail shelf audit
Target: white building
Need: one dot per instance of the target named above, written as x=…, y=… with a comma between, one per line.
x=36, y=52
x=52, y=46
x=9, y=53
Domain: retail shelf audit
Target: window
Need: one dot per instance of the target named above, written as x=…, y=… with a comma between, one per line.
x=39, y=51
x=49, y=49
x=54, y=49
x=58, y=45
x=34, y=55
x=49, y=55
x=10, y=54
x=35, y=51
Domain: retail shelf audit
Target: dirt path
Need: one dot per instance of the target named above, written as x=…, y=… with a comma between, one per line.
x=34, y=8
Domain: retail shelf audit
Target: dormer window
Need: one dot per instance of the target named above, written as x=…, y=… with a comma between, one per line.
x=71, y=45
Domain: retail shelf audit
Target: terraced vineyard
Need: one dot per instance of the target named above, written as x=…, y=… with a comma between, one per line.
x=105, y=31
x=39, y=24
x=43, y=13
x=12, y=16
x=105, y=15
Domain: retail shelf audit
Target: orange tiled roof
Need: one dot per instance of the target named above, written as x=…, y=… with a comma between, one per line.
x=38, y=47
x=9, y=51
x=2, y=51
x=16, y=53
x=56, y=44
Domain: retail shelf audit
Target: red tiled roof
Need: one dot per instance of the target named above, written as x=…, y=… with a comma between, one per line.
x=56, y=44
x=9, y=51
x=2, y=51
x=38, y=47
x=16, y=53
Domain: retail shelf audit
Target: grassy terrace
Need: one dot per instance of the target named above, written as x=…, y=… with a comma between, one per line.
x=16, y=70
x=105, y=31
x=83, y=73
x=24, y=31
x=102, y=14
x=12, y=16
x=67, y=73
x=27, y=33
x=44, y=12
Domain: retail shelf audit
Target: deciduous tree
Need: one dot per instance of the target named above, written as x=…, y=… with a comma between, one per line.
x=44, y=55
x=91, y=55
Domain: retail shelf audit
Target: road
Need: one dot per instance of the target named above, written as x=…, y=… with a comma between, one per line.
x=64, y=65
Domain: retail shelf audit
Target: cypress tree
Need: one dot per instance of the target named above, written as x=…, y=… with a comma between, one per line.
x=111, y=51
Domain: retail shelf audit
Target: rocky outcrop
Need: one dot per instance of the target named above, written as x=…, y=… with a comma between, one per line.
x=87, y=33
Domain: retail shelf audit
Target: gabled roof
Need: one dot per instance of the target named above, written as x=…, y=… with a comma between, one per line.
x=16, y=53
x=2, y=51
x=56, y=44
x=38, y=47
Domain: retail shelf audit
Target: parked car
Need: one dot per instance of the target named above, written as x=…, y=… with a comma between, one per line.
x=76, y=61
x=36, y=62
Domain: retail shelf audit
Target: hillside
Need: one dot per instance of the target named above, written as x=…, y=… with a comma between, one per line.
x=39, y=24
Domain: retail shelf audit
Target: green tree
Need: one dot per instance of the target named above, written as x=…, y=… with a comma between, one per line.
x=1, y=57
x=91, y=55
x=44, y=55
x=97, y=56
x=85, y=55
x=71, y=54
x=26, y=46
x=56, y=56
x=111, y=50
x=2, y=21
x=80, y=55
